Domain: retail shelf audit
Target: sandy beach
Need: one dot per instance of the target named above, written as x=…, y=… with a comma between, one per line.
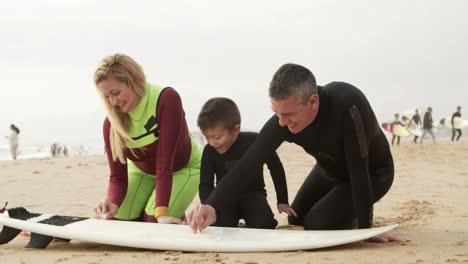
x=427, y=200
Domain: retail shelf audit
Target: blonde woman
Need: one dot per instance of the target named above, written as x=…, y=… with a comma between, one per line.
x=154, y=162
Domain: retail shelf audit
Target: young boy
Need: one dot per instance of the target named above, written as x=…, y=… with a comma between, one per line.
x=219, y=120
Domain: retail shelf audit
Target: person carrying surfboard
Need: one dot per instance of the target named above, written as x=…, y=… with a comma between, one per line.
x=428, y=125
x=456, y=130
x=220, y=122
x=153, y=160
x=336, y=125
x=396, y=121
x=416, y=119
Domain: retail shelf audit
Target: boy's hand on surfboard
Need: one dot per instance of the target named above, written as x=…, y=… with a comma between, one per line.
x=165, y=219
x=384, y=238
x=285, y=208
x=200, y=216
x=106, y=209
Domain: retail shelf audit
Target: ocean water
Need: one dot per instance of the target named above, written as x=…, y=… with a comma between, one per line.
x=41, y=150
x=30, y=151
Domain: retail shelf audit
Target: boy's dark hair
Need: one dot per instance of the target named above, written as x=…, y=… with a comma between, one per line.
x=293, y=79
x=219, y=110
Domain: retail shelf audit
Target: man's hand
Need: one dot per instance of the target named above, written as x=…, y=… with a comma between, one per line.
x=200, y=216
x=106, y=209
x=384, y=238
x=286, y=209
x=165, y=219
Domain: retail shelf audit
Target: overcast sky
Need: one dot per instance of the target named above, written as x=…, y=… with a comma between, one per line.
x=401, y=54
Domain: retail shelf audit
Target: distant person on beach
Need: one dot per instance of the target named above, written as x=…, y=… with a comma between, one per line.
x=55, y=149
x=13, y=139
x=220, y=122
x=428, y=125
x=396, y=121
x=456, y=130
x=153, y=160
x=416, y=118
x=336, y=125
x=65, y=150
x=82, y=150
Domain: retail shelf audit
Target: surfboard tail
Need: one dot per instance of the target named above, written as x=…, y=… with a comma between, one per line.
x=37, y=241
x=8, y=234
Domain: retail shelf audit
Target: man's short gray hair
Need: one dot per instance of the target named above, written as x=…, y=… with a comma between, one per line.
x=293, y=79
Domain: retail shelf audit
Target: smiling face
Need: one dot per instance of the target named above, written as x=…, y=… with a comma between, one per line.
x=293, y=114
x=221, y=138
x=119, y=95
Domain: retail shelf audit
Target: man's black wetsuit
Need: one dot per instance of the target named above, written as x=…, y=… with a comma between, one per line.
x=354, y=164
x=456, y=130
x=252, y=205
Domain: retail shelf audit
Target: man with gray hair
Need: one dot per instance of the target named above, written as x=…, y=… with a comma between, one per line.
x=337, y=126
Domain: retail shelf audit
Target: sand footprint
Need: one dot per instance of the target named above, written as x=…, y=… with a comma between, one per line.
x=61, y=260
x=412, y=213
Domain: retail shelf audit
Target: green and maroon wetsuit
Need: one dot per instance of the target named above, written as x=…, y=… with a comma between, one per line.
x=162, y=174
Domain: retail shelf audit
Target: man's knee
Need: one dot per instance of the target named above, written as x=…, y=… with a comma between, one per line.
x=227, y=222
x=324, y=224
x=262, y=223
x=295, y=220
x=317, y=224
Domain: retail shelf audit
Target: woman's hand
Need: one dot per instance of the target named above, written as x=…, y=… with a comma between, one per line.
x=286, y=209
x=106, y=209
x=165, y=219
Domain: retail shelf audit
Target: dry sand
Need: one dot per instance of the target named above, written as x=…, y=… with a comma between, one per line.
x=428, y=199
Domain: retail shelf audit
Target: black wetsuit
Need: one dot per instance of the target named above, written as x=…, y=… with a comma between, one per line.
x=417, y=120
x=456, y=130
x=354, y=164
x=251, y=205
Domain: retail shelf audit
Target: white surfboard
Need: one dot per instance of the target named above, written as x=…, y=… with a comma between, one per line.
x=181, y=238
x=409, y=113
x=457, y=122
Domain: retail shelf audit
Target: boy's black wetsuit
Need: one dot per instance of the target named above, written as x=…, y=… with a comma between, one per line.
x=251, y=205
x=354, y=164
x=456, y=130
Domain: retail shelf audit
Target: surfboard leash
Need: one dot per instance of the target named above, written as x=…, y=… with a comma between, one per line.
x=4, y=208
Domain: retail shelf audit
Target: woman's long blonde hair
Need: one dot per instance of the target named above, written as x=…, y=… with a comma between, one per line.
x=123, y=69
